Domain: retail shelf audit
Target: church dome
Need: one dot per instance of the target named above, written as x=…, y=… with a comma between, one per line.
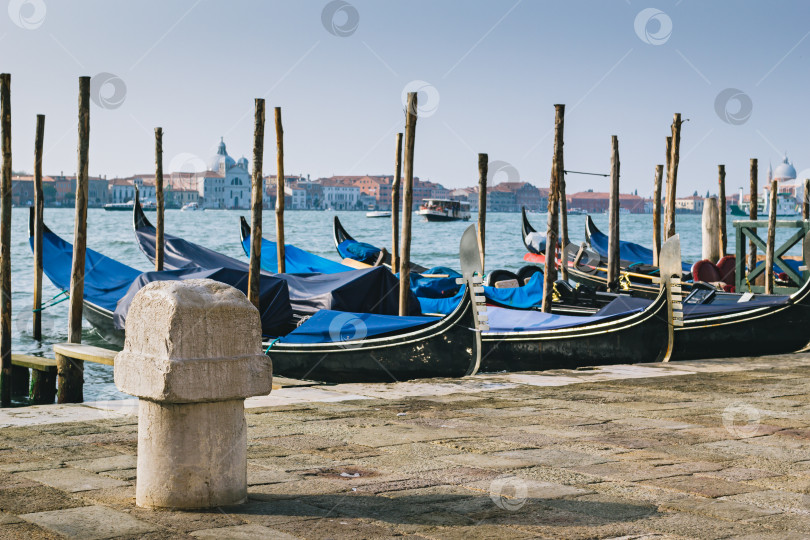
x=220, y=158
x=785, y=170
x=243, y=162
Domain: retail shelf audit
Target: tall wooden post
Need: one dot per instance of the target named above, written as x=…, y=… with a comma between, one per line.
x=483, y=170
x=613, y=239
x=771, y=239
x=71, y=372
x=395, y=205
x=752, y=214
x=282, y=261
x=806, y=205
x=407, y=208
x=553, y=209
x=659, y=172
x=256, y=205
x=710, y=226
x=39, y=209
x=721, y=180
x=159, y=198
x=563, y=225
x=672, y=174
x=5, y=242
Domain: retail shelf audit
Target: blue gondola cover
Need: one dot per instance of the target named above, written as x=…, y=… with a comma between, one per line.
x=329, y=326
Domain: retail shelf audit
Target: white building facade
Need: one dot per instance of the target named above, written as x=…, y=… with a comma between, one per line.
x=226, y=183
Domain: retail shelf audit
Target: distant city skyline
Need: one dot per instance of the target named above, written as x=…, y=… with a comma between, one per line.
x=488, y=74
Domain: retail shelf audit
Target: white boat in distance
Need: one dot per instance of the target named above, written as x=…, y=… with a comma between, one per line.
x=190, y=207
x=129, y=205
x=445, y=210
x=378, y=213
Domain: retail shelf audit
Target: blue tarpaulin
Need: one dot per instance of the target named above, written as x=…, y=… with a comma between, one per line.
x=510, y=320
x=297, y=261
x=528, y=296
x=274, y=297
x=105, y=280
x=628, y=251
x=328, y=326
x=359, y=251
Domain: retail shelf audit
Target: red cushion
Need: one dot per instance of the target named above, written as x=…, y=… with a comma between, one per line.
x=727, y=266
x=706, y=270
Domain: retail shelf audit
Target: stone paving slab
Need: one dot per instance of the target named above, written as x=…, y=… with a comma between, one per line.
x=709, y=449
x=90, y=523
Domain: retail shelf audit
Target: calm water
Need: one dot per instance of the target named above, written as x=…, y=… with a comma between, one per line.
x=434, y=244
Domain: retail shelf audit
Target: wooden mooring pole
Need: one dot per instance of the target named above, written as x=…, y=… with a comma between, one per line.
x=752, y=214
x=282, y=261
x=721, y=180
x=613, y=239
x=5, y=242
x=771, y=239
x=806, y=205
x=483, y=170
x=564, y=241
x=672, y=174
x=39, y=209
x=256, y=205
x=395, y=205
x=553, y=209
x=407, y=208
x=159, y=198
x=659, y=172
x=71, y=371
x=710, y=227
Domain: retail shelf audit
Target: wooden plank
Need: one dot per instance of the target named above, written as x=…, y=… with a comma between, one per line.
x=33, y=362
x=355, y=264
x=87, y=353
x=763, y=223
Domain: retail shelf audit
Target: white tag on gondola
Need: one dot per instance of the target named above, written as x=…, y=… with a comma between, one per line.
x=745, y=297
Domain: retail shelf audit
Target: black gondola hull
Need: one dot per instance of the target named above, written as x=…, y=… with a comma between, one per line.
x=641, y=337
x=770, y=330
x=448, y=348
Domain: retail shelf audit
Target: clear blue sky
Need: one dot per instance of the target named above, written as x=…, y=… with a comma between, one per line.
x=497, y=67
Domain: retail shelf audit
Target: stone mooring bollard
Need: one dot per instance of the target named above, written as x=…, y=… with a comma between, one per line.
x=192, y=355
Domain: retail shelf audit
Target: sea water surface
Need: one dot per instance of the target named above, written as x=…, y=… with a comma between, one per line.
x=433, y=244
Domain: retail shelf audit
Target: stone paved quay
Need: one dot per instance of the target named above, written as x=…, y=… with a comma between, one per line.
x=711, y=449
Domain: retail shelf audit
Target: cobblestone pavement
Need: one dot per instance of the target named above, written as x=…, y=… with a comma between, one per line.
x=717, y=449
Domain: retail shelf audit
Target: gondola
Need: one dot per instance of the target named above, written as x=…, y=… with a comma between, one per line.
x=340, y=346
x=110, y=285
x=297, y=261
x=722, y=325
x=527, y=296
x=587, y=267
x=628, y=330
x=349, y=248
x=105, y=279
x=635, y=257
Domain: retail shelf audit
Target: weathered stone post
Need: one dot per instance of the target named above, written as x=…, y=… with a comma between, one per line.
x=192, y=355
